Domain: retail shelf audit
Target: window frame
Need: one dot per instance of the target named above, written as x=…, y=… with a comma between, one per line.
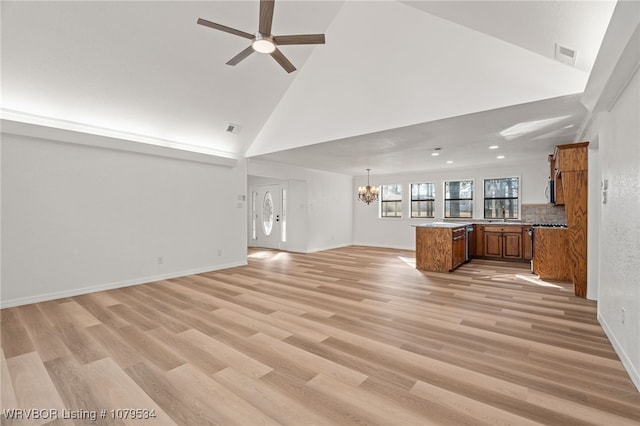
x=484, y=198
x=445, y=199
x=397, y=203
x=419, y=200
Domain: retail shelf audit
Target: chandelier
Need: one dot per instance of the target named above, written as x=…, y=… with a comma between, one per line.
x=368, y=193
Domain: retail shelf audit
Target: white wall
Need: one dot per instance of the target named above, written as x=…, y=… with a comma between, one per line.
x=613, y=98
x=320, y=205
x=370, y=229
x=618, y=229
x=79, y=218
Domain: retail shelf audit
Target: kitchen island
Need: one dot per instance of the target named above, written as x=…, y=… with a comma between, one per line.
x=441, y=246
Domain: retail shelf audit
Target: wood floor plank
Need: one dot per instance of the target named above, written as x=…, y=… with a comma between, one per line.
x=114, y=389
x=191, y=353
x=106, y=317
x=178, y=404
x=483, y=413
x=114, y=345
x=277, y=405
x=78, y=314
x=254, y=324
x=15, y=339
x=79, y=343
x=232, y=357
x=377, y=409
x=43, y=336
x=8, y=397
x=66, y=374
x=316, y=401
x=150, y=348
x=354, y=335
x=33, y=386
x=229, y=407
x=309, y=360
x=155, y=316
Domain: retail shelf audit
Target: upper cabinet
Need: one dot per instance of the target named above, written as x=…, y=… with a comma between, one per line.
x=566, y=158
x=570, y=158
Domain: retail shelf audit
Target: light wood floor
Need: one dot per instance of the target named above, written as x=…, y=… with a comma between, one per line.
x=346, y=336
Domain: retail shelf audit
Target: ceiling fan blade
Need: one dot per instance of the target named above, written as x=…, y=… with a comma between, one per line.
x=240, y=56
x=299, y=39
x=224, y=28
x=283, y=61
x=266, y=17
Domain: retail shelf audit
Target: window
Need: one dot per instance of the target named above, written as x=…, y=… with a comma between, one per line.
x=458, y=198
x=391, y=201
x=422, y=200
x=501, y=198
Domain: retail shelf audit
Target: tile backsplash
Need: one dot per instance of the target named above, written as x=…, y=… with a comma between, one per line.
x=543, y=213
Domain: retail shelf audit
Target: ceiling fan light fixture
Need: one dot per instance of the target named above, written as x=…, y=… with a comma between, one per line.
x=263, y=44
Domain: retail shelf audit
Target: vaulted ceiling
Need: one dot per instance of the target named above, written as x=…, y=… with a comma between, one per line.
x=394, y=81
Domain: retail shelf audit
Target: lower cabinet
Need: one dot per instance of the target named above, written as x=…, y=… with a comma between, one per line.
x=440, y=249
x=503, y=242
x=550, y=254
x=459, y=247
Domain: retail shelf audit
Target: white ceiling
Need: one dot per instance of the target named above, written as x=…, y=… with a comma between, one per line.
x=394, y=81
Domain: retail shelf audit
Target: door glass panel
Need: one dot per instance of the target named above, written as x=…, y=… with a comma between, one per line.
x=267, y=213
x=254, y=214
x=284, y=215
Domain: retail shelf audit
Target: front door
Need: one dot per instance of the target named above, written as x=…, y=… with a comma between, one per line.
x=266, y=214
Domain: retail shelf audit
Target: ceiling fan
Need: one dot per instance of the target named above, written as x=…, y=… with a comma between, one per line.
x=263, y=41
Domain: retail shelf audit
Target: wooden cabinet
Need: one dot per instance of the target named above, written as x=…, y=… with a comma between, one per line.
x=478, y=230
x=440, y=249
x=493, y=244
x=565, y=158
x=459, y=243
x=503, y=242
x=571, y=171
x=551, y=258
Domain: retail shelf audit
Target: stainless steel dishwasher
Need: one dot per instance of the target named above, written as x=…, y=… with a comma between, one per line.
x=469, y=232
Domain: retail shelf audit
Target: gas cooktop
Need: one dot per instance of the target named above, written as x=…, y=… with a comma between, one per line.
x=550, y=225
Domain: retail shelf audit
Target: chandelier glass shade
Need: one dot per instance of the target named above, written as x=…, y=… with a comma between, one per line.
x=368, y=193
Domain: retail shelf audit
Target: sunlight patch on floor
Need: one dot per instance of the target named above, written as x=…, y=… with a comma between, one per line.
x=535, y=279
x=263, y=254
x=411, y=261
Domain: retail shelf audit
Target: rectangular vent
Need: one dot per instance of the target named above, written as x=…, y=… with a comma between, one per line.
x=233, y=128
x=566, y=55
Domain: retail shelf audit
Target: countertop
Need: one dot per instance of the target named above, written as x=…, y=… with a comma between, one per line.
x=442, y=225
x=453, y=224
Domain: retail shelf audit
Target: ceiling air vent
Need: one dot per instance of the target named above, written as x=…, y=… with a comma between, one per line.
x=233, y=128
x=566, y=55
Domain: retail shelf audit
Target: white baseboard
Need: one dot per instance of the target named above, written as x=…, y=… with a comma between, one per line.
x=390, y=246
x=626, y=361
x=109, y=286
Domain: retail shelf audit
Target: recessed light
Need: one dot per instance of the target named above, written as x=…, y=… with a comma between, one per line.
x=494, y=147
x=450, y=162
x=500, y=157
x=435, y=154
